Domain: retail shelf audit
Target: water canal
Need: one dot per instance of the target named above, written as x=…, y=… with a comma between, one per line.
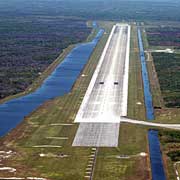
x=57, y=84
x=157, y=167
x=147, y=91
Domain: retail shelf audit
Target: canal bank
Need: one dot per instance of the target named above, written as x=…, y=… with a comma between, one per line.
x=57, y=84
x=156, y=161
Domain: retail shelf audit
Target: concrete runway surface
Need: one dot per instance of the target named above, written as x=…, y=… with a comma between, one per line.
x=106, y=98
x=97, y=135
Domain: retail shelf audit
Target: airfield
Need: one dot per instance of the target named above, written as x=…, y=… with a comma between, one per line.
x=105, y=101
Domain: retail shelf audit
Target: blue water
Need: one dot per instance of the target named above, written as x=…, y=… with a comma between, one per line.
x=95, y=25
x=155, y=156
x=154, y=144
x=58, y=83
x=147, y=91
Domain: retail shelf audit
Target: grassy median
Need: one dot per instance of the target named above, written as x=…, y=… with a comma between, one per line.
x=124, y=162
x=53, y=119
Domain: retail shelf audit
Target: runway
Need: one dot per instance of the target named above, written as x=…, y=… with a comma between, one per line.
x=106, y=98
x=97, y=135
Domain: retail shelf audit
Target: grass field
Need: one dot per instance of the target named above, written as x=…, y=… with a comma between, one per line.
x=162, y=113
x=132, y=139
x=167, y=67
x=136, y=107
x=37, y=130
x=111, y=164
x=48, y=126
x=42, y=77
x=154, y=82
x=38, y=81
x=164, y=36
x=170, y=146
x=52, y=125
x=29, y=44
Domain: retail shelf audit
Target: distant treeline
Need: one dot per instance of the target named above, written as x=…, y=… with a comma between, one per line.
x=30, y=44
x=168, y=70
x=138, y=10
x=164, y=36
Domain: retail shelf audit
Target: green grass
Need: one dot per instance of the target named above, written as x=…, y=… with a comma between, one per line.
x=167, y=66
x=155, y=87
x=170, y=146
x=113, y=168
x=132, y=141
x=135, y=94
x=154, y=82
x=144, y=37
x=163, y=115
x=93, y=33
x=37, y=127
x=168, y=115
x=42, y=77
x=37, y=82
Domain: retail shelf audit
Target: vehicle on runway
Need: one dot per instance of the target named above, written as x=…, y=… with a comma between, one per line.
x=101, y=83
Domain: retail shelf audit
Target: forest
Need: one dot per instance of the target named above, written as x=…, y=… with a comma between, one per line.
x=135, y=10
x=30, y=44
x=164, y=36
x=168, y=69
x=170, y=141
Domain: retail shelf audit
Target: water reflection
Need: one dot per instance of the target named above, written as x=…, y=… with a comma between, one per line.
x=58, y=83
x=157, y=168
x=147, y=91
x=156, y=156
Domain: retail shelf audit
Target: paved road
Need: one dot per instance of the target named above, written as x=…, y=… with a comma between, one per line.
x=146, y=123
x=104, y=100
x=106, y=97
x=97, y=135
